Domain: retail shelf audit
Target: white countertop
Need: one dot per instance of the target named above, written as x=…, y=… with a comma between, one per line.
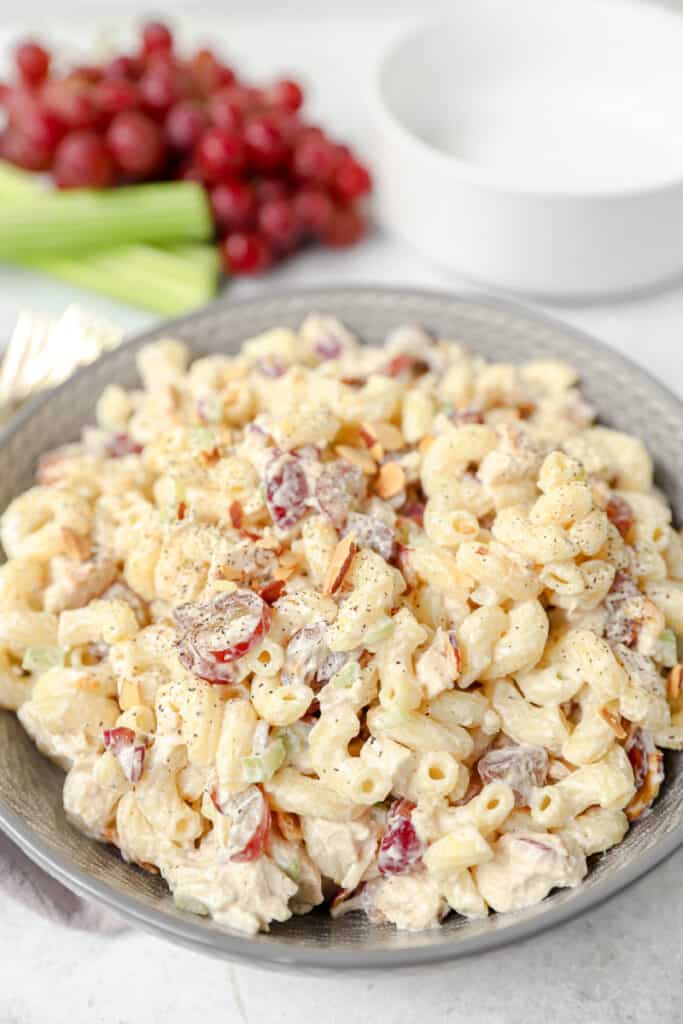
x=620, y=964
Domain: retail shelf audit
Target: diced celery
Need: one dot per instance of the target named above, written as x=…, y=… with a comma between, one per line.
x=40, y=659
x=379, y=632
x=202, y=440
x=346, y=676
x=190, y=904
x=293, y=869
x=261, y=767
x=666, y=651
x=294, y=738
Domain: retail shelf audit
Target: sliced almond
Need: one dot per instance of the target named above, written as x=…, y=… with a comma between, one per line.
x=357, y=457
x=130, y=695
x=210, y=457
x=613, y=721
x=389, y=436
x=673, y=687
x=284, y=572
x=289, y=558
x=289, y=825
x=89, y=684
x=76, y=546
x=650, y=787
x=340, y=563
x=390, y=481
x=425, y=444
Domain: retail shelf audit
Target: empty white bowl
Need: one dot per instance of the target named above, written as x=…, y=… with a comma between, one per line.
x=538, y=145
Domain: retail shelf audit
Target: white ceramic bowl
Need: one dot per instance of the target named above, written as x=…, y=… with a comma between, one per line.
x=537, y=145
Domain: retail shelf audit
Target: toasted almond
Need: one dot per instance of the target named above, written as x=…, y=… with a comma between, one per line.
x=284, y=572
x=673, y=687
x=390, y=481
x=352, y=434
x=147, y=866
x=210, y=457
x=389, y=436
x=89, y=684
x=289, y=825
x=425, y=444
x=129, y=696
x=340, y=563
x=649, y=789
x=377, y=451
x=289, y=558
x=613, y=721
x=357, y=457
x=367, y=435
x=76, y=546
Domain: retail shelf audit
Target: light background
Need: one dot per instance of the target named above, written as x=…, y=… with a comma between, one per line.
x=622, y=963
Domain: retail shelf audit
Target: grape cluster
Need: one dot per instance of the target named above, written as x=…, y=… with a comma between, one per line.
x=274, y=181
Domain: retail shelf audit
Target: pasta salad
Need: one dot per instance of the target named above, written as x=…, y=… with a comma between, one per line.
x=392, y=629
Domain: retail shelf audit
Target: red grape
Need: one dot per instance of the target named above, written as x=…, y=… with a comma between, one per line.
x=266, y=147
x=233, y=205
x=82, y=160
x=184, y=124
x=136, y=143
x=401, y=848
x=114, y=95
x=351, y=179
x=266, y=189
x=220, y=154
x=18, y=149
x=286, y=490
x=41, y=128
x=128, y=750
x=71, y=101
x=521, y=766
x=346, y=227
x=314, y=210
x=315, y=159
x=189, y=171
x=221, y=630
x=158, y=90
x=286, y=94
x=156, y=37
x=338, y=488
x=245, y=253
x=32, y=61
x=278, y=223
x=371, y=532
x=122, y=67
x=225, y=111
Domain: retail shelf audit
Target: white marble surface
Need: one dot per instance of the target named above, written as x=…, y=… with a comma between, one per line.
x=620, y=964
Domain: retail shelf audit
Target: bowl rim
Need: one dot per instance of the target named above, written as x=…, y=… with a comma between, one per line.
x=469, y=174
x=247, y=949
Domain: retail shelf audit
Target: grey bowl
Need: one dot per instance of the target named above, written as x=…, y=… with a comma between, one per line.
x=30, y=786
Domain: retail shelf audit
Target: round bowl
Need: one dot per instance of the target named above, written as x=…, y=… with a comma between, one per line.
x=532, y=145
x=30, y=786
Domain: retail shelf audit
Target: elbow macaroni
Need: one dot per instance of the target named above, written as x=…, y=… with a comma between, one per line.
x=448, y=700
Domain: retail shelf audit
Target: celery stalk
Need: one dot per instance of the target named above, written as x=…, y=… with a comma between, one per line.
x=67, y=222
x=141, y=275
x=169, y=279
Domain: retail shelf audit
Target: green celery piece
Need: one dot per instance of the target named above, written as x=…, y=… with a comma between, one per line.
x=169, y=279
x=141, y=275
x=68, y=222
